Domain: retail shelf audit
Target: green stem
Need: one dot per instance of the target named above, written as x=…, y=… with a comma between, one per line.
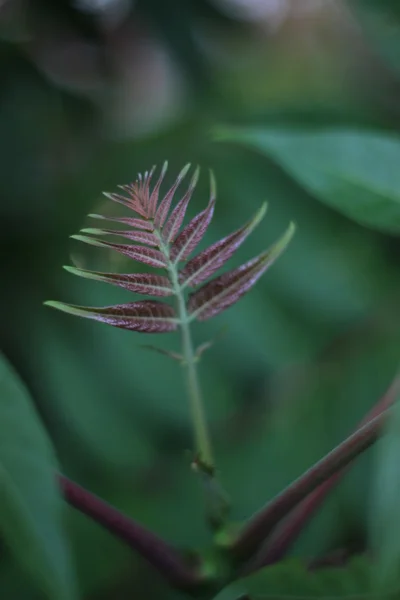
x=201, y=435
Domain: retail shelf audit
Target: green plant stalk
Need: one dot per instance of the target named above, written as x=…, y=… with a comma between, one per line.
x=201, y=435
x=202, y=438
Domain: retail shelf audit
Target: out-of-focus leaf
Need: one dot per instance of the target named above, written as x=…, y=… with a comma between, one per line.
x=385, y=511
x=353, y=171
x=202, y=266
x=380, y=20
x=149, y=316
x=30, y=503
x=223, y=291
x=291, y=579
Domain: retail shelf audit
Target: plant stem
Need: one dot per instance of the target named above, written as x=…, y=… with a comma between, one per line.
x=263, y=522
x=155, y=550
x=202, y=440
x=286, y=533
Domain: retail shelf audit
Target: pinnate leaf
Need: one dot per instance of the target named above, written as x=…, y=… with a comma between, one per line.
x=127, y=202
x=148, y=256
x=223, y=291
x=175, y=220
x=149, y=316
x=163, y=209
x=141, y=283
x=192, y=234
x=132, y=222
x=202, y=266
x=31, y=508
x=143, y=237
x=153, y=200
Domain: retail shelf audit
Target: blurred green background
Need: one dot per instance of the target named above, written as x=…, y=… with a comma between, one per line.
x=94, y=91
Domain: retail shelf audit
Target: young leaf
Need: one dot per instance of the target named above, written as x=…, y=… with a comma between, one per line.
x=143, y=237
x=141, y=283
x=163, y=209
x=149, y=316
x=148, y=256
x=126, y=202
x=31, y=508
x=139, y=193
x=175, y=221
x=153, y=200
x=192, y=234
x=202, y=266
x=132, y=222
x=223, y=291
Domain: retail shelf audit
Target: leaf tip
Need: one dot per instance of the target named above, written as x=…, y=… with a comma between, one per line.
x=56, y=305
x=213, y=185
x=184, y=171
x=93, y=231
x=72, y=270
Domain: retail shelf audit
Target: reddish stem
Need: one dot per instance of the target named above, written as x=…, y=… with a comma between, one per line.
x=154, y=549
x=263, y=522
x=286, y=534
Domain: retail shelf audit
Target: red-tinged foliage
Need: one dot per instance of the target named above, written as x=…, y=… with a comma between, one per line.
x=223, y=291
x=141, y=283
x=153, y=200
x=143, y=237
x=163, y=247
x=173, y=225
x=148, y=256
x=162, y=210
x=125, y=201
x=191, y=236
x=132, y=222
x=149, y=316
x=202, y=266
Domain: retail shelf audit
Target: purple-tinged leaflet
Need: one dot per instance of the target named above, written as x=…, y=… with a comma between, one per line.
x=149, y=316
x=173, y=225
x=163, y=208
x=202, y=266
x=223, y=291
x=141, y=283
x=148, y=256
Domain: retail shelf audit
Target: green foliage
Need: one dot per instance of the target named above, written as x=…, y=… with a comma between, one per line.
x=385, y=509
x=31, y=509
x=354, y=171
x=305, y=355
x=291, y=579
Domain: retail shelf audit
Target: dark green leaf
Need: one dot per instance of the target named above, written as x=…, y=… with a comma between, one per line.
x=354, y=171
x=385, y=517
x=30, y=503
x=291, y=579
